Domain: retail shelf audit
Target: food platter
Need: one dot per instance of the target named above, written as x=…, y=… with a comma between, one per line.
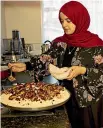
x=36, y=105
x=35, y=109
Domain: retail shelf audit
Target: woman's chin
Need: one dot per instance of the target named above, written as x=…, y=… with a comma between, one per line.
x=68, y=33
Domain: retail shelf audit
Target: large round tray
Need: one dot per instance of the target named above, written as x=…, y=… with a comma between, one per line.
x=37, y=109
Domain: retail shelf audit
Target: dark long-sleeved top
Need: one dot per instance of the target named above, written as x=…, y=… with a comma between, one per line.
x=88, y=87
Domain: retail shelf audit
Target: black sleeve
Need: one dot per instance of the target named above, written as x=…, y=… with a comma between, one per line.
x=39, y=63
x=93, y=78
x=28, y=66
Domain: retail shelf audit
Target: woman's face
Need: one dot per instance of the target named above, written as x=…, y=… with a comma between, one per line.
x=67, y=25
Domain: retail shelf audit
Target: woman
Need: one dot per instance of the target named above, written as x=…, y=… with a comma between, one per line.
x=84, y=51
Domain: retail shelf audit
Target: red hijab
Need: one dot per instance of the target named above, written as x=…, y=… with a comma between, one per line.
x=79, y=16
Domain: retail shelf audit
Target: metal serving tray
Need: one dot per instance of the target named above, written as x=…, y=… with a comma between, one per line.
x=36, y=109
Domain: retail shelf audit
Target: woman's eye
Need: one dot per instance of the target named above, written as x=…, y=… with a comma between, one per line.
x=68, y=21
x=61, y=21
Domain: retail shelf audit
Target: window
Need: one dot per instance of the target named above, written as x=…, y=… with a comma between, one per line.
x=52, y=27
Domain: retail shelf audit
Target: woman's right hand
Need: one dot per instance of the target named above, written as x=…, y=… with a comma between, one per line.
x=17, y=67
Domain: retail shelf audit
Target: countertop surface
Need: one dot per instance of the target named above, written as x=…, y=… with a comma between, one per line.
x=55, y=118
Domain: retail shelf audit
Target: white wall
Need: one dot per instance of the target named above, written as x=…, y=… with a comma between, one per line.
x=3, y=27
x=24, y=16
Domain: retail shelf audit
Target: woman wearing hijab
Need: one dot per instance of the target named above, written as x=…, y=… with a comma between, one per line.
x=82, y=51
x=87, y=65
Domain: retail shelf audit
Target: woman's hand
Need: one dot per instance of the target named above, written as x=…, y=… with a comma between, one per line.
x=17, y=67
x=75, y=71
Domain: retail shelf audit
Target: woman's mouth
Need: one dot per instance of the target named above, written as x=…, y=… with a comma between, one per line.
x=66, y=30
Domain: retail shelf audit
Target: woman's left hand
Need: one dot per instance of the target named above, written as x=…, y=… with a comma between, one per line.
x=75, y=71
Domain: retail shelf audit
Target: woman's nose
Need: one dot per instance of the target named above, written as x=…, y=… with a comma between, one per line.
x=64, y=24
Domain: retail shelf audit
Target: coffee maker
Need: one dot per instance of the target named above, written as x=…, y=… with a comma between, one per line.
x=13, y=48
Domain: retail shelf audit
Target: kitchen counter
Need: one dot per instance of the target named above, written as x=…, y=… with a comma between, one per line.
x=54, y=118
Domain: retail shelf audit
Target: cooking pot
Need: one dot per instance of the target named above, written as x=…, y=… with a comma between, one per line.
x=4, y=73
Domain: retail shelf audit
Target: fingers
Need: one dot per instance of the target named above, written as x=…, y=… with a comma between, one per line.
x=16, y=69
x=11, y=78
x=10, y=65
x=71, y=76
x=73, y=67
x=76, y=70
x=73, y=73
x=18, y=64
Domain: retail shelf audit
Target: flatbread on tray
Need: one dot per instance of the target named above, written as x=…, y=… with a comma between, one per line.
x=59, y=73
x=37, y=96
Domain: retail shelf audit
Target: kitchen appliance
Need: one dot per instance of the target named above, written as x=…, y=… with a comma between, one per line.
x=46, y=46
x=13, y=47
x=16, y=43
